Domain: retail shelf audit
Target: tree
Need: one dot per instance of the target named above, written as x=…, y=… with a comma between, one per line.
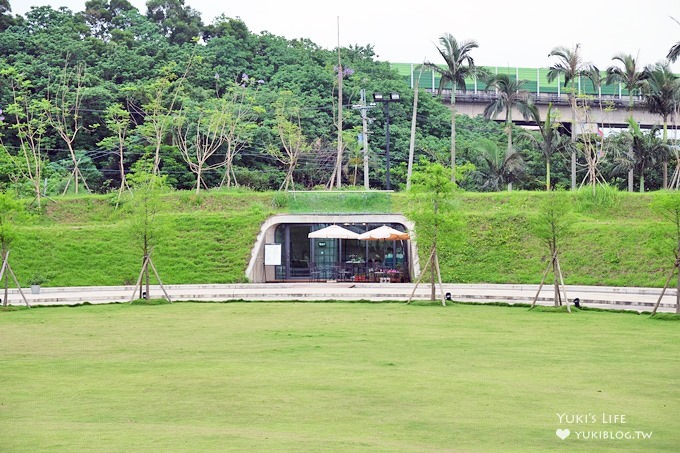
x=30, y=124
x=353, y=144
x=118, y=121
x=241, y=115
x=431, y=197
x=674, y=52
x=509, y=96
x=202, y=128
x=498, y=167
x=668, y=205
x=551, y=226
x=65, y=117
x=11, y=211
x=180, y=24
x=146, y=188
x=156, y=103
x=630, y=75
x=551, y=141
x=661, y=89
x=289, y=131
x=646, y=149
x=105, y=16
x=459, y=66
x=6, y=19
x=571, y=67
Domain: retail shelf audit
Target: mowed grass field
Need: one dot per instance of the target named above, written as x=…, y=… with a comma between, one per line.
x=192, y=377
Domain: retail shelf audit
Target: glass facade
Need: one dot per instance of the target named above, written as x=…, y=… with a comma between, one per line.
x=305, y=259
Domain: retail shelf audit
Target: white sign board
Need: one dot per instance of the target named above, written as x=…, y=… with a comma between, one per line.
x=272, y=254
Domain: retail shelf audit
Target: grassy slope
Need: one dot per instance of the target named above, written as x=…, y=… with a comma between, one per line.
x=84, y=241
x=207, y=239
x=620, y=243
x=332, y=377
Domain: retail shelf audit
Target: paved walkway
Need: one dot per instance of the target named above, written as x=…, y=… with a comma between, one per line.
x=636, y=299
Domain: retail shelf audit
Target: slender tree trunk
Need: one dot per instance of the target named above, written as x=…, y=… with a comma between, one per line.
x=121, y=168
x=677, y=295
x=677, y=289
x=547, y=175
x=630, y=180
x=157, y=158
x=573, y=139
x=199, y=170
x=508, y=123
x=556, y=284
x=146, y=279
x=433, y=286
x=3, y=257
x=338, y=165
x=453, y=133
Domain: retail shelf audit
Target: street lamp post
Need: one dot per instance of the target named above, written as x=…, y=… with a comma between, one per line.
x=393, y=97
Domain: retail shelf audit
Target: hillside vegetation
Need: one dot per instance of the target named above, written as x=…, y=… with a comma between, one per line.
x=615, y=239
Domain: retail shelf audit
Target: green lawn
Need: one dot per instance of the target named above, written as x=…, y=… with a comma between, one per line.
x=333, y=377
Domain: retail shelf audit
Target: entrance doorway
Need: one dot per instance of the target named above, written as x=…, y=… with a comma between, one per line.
x=305, y=259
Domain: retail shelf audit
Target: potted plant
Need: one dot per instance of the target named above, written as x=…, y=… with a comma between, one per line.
x=35, y=281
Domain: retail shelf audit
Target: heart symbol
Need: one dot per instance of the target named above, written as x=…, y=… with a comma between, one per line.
x=562, y=433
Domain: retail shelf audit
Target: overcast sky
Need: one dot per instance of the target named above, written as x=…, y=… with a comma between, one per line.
x=519, y=33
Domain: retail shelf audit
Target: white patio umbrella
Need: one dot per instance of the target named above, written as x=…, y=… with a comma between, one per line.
x=383, y=232
x=333, y=232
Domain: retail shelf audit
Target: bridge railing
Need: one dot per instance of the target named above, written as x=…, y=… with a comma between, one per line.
x=603, y=100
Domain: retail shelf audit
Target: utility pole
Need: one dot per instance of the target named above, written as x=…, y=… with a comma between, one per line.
x=363, y=108
x=338, y=167
x=412, y=144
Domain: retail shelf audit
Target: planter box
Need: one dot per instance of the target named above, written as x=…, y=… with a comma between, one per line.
x=35, y=289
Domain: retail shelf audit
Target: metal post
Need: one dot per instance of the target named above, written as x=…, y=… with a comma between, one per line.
x=387, y=145
x=393, y=97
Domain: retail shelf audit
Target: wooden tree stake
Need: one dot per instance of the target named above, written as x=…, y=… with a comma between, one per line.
x=665, y=287
x=420, y=277
x=6, y=266
x=145, y=266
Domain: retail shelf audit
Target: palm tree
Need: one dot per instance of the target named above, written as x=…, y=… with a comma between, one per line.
x=645, y=149
x=661, y=89
x=623, y=161
x=674, y=53
x=551, y=140
x=498, y=167
x=459, y=65
x=630, y=75
x=571, y=67
x=511, y=96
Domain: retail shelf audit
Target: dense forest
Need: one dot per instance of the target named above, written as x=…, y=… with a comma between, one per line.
x=89, y=99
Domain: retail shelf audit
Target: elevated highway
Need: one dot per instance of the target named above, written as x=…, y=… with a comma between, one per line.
x=607, y=104
x=603, y=112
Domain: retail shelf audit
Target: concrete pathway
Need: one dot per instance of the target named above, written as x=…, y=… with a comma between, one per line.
x=620, y=298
